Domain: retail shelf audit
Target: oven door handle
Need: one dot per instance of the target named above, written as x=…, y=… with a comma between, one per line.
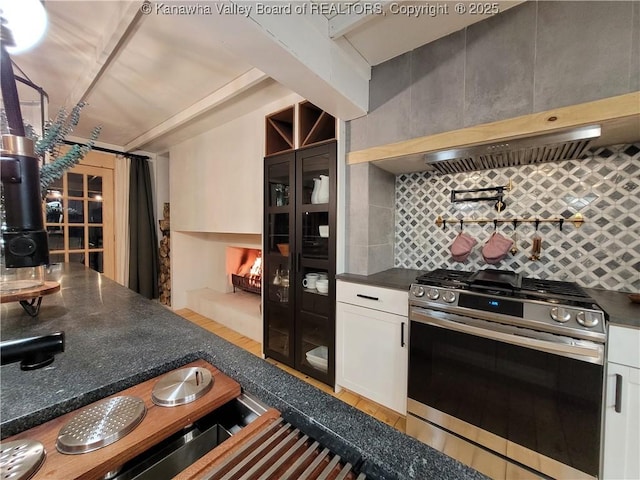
x=579, y=349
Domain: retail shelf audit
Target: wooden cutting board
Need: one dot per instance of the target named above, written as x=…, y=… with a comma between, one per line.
x=158, y=424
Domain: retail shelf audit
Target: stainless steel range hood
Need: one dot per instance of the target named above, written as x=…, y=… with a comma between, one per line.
x=550, y=147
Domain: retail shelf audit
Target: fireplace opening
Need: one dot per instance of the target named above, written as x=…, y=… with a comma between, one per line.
x=244, y=266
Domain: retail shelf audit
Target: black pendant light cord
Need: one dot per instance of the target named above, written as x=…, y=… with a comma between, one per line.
x=9, y=89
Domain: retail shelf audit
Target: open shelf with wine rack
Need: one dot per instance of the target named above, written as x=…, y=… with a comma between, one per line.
x=297, y=126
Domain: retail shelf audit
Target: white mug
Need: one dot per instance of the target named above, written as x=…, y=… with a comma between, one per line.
x=322, y=285
x=309, y=280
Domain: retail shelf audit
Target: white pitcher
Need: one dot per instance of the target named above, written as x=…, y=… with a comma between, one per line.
x=323, y=189
x=316, y=189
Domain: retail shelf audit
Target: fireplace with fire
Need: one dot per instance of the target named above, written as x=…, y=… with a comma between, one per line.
x=244, y=265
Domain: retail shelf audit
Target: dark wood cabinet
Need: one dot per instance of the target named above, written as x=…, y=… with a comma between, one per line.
x=299, y=239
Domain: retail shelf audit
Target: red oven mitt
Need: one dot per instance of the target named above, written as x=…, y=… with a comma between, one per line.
x=496, y=248
x=462, y=246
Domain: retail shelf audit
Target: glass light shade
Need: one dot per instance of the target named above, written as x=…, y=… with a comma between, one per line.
x=27, y=21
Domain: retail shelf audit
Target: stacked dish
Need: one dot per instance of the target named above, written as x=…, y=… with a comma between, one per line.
x=318, y=357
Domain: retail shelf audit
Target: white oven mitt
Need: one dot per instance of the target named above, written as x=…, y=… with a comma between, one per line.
x=496, y=248
x=462, y=246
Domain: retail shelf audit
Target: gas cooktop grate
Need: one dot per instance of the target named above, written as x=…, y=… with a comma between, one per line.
x=443, y=276
x=456, y=278
x=553, y=287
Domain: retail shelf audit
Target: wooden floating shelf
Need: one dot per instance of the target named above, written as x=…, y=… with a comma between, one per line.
x=619, y=117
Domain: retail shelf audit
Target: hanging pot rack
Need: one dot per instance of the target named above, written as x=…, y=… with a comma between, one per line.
x=577, y=220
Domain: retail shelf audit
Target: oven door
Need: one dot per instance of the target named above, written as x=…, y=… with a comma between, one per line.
x=530, y=396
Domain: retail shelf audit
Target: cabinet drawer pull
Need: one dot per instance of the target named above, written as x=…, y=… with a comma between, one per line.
x=618, y=405
x=368, y=297
x=402, y=342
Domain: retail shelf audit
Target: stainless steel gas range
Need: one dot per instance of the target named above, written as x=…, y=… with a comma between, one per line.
x=513, y=365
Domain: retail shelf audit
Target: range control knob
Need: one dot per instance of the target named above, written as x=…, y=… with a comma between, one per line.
x=417, y=291
x=449, y=297
x=559, y=314
x=588, y=319
x=433, y=294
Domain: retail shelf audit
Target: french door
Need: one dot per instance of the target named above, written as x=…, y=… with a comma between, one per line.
x=79, y=211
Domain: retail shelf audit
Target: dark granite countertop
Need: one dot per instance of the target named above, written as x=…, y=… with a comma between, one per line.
x=395, y=278
x=620, y=309
x=116, y=339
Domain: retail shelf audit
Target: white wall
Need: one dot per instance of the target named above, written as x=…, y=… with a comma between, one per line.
x=216, y=177
x=215, y=190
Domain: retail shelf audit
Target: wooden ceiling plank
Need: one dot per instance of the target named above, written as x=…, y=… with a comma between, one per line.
x=220, y=96
x=114, y=38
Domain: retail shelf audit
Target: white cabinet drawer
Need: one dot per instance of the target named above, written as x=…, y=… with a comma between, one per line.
x=378, y=298
x=624, y=346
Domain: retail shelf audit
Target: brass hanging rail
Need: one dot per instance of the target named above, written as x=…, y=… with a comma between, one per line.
x=576, y=219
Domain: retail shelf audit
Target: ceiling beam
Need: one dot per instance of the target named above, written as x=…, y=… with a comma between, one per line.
x=293, y=50
x=114, y=37
x=341, y=24
x=217, y=98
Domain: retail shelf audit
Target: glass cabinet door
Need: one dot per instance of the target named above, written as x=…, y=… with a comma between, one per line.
x=315, y=235
x=277, y=257
x=315, y=182
x=315, y=343
x=315, y=261
x=279, y=183
x=279, y=236
x=279, y=207
x=315, y=179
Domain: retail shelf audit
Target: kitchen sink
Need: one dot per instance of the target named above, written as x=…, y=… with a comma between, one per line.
x=174, y=454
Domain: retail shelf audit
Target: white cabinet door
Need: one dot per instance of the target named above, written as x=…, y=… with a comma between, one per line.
x=371, y=354
x=624, y=346
x=622, y=428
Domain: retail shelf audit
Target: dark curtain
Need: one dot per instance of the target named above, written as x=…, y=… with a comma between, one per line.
x=143, y=248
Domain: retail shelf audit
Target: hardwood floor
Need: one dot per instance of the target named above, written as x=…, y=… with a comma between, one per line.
x=478, y=458
x=371, y=408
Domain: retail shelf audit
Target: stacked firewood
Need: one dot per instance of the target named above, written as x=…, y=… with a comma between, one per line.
x=164, y=281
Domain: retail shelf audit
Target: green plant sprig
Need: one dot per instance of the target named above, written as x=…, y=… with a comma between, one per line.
x=50, y=172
